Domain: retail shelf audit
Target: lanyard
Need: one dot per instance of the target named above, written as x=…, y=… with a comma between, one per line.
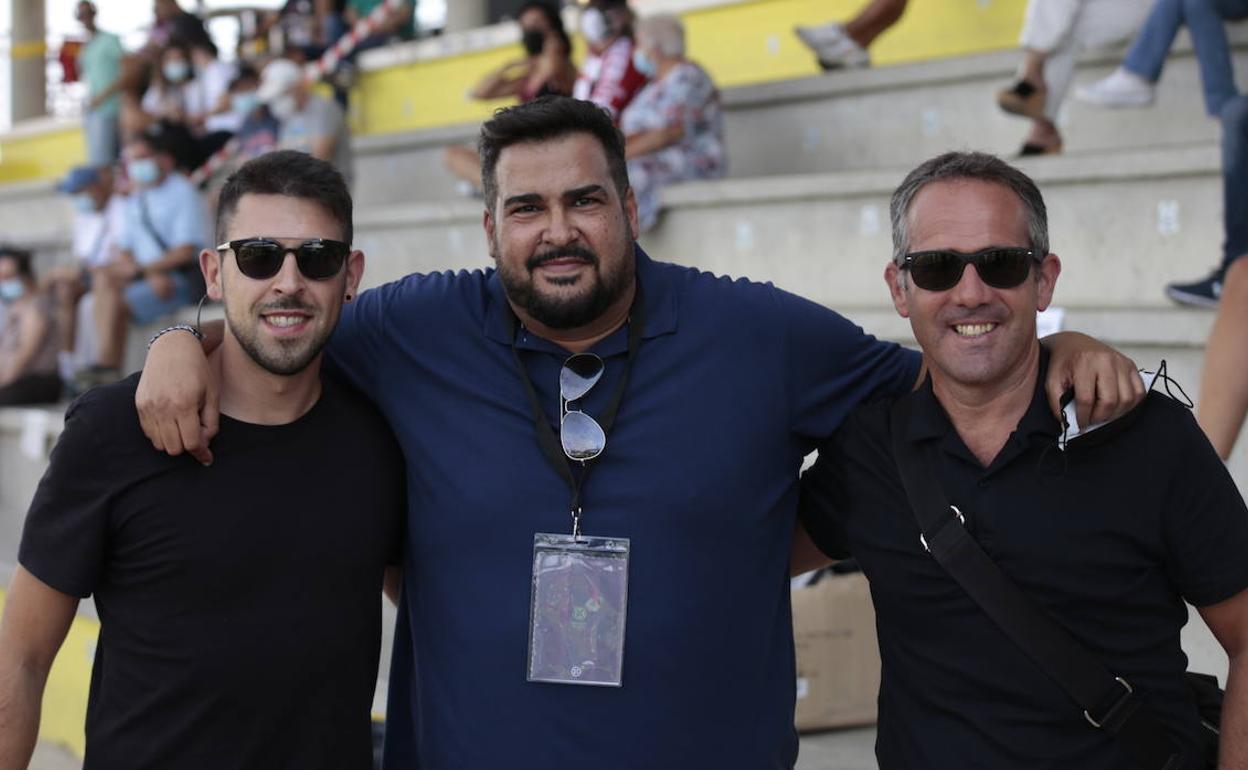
x=546, y=438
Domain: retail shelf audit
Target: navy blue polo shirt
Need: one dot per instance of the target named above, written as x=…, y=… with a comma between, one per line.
x=733, y=384
x=1109, y=537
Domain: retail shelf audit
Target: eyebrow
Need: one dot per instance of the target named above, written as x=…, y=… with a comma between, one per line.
x=573, y=194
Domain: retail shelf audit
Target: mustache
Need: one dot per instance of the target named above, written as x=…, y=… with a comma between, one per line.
x=575, y=252
x=286, y=303
x=985, y=313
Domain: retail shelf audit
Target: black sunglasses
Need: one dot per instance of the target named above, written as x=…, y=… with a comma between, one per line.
x=581, y=435
x=260, y=258
x=940, y=270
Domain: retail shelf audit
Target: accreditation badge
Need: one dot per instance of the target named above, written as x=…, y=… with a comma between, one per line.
x=580, y=598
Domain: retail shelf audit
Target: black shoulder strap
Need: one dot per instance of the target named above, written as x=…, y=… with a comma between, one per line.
x=1109, y=702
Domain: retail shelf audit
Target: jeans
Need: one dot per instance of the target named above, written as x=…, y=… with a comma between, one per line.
x=1235, y=178
x=1204, y=20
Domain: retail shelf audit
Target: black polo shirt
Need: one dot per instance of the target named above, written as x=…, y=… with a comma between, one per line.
x=1109, y=537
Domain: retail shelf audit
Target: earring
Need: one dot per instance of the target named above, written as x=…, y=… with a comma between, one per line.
x=348, y=297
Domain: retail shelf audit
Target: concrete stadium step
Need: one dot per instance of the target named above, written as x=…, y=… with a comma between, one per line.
x=1124, y=222
x=862, y=119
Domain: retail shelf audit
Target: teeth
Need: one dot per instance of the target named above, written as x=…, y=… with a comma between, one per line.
x=285, y=320
x=973, y=330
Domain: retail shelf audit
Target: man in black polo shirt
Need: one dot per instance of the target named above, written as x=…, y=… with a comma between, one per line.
x=1109, y=535
x=239, y=604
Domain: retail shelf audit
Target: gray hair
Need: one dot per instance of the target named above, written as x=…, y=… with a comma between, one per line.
x=665, y=32
x=969, y=165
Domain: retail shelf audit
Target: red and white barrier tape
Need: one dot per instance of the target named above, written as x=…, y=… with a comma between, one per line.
x=314, y=71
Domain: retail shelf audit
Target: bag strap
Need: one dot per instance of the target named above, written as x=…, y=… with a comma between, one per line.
x=145, y=218
x=1109, y=702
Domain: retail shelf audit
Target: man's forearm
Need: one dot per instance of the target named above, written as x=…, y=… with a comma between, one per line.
x=1233, y=745
x=21, y=692
x=174, y=258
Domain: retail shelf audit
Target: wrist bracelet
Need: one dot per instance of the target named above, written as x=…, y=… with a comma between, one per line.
x=175, y=328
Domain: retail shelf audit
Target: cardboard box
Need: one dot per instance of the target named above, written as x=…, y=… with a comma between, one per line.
x=838, y=661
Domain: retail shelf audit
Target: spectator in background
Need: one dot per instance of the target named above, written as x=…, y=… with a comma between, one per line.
x=258, y=130
x=208, y=96
x=156, y=271
x=310, y=26
x=399, y=23
x=1133, y=83
x=838, y=46
x=174, y=26
x=608, y=77
x=99, y=219
x=309, y=123
x=545, y=68
x=673, y=130
x=99, y=61
x=187, y=93
x=28, y=339
x=1054, y=33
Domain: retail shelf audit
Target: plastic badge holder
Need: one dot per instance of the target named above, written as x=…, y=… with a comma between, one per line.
x=576, y=620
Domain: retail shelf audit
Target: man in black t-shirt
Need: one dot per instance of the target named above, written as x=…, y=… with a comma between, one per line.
x=1108, y=534
x=239, y=603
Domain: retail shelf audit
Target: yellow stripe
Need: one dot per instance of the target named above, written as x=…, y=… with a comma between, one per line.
x=65, y=698
x=28, y=49
x=41, y=156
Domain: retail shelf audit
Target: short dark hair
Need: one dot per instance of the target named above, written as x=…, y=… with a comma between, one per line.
x=980, y=166
x=553, y=18
x=291, y=173
x=23, y=258
x=543, y=119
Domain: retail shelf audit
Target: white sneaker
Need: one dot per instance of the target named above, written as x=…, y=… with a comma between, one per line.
x=834, y=48
x=1120, y=89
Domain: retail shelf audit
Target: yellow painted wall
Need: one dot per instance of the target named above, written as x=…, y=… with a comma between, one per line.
x=65, y=699
x=41, y=156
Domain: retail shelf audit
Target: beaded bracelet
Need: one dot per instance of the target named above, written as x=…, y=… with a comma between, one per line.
x=175, y=328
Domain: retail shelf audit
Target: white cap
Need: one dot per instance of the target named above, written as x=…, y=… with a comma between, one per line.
x=278, y=78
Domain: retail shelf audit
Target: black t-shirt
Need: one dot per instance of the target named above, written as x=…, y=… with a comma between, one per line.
x=1109, y=537
x=239, y=603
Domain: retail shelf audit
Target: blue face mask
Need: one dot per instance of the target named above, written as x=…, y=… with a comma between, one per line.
x=244, y=103
x=144, y=172
x=644, y=64
x=175, y=71
x=11, y=290
x=84, y=203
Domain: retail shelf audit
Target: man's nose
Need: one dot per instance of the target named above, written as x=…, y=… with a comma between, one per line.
x=561, y=229
x=288, y=279
x=970, y=290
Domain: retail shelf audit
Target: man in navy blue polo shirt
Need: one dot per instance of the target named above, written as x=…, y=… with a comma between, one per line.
x=720, y=388
x=1108, y=535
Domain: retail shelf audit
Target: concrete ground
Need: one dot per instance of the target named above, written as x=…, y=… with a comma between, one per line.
x=837, y=750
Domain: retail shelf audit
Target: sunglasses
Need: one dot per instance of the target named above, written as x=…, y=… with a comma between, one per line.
x=581, y=436
x=260, y=258
x=999, y=267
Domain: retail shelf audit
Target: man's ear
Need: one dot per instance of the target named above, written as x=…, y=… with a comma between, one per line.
x=210, y=266
x=1046, y=280
x=897, y=288
x=355, y=274
x=630, y=210
x=487, y=223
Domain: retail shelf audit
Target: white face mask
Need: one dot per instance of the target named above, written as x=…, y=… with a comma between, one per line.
x=283, y=107
x=11, y=290
x=594, y=26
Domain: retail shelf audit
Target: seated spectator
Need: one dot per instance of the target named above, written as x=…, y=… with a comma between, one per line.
x=309, y=123
x=673, y=130
x=1054, y=33
x=28, y=338
x=99, y=219
x=1133, y=83
x=257, y=131
x=208, y=100
x=174, y=26
x=156, y=271
x=545, y=68
x=608, y=77
x=838, y=46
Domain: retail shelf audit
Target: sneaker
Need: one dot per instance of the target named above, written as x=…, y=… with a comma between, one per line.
x=1120, y=89
x=834, y=48
x=1203, y=293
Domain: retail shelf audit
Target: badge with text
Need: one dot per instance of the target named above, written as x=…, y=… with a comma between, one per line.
x=576, y=621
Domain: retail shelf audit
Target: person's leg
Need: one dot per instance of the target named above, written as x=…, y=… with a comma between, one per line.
x=464, y=163
x=1207, y=26
x=873, y=20
x=111, y=317
x=1148, y=53
x=1224, y=381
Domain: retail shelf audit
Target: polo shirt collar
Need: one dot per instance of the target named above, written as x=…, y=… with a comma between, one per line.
x=928, y=419
x=657, y=292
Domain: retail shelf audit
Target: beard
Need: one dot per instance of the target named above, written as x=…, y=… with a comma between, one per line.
x=566, y=310
x=283, y=357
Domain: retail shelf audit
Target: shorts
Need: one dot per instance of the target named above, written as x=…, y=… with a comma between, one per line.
x=102, y=134
x=146, y=307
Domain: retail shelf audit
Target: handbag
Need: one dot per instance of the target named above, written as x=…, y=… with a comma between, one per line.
x=1109, y=702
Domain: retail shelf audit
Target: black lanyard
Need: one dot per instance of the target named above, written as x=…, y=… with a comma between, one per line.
x=546, y=438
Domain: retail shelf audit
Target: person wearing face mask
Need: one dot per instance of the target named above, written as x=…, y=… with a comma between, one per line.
x=309, y=123
x=545, y=68
x=673, y=129
x=166, y=97
x=28, y=339
x=99, y=219
x=257, y=132
x=608, y=76
x=154, y=272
